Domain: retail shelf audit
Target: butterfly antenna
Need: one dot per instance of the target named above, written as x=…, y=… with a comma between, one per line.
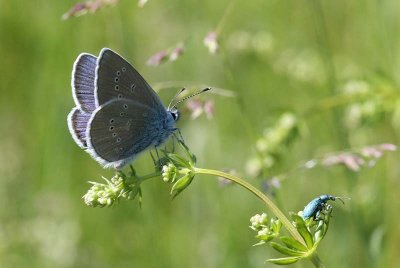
x=174, y=98
x=190, y=96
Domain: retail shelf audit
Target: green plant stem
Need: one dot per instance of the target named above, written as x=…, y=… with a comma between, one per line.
x=278, y=213
x=289, y=227
x=134, y=179
x=222, y=21
x=149, y=176
x=316, y=260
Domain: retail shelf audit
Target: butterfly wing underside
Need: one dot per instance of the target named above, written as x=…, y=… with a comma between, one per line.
x=82, y=84
x=118, y=132
x=77, y=125
x=116, y=78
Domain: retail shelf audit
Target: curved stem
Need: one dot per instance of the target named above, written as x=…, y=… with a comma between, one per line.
x=278, y=213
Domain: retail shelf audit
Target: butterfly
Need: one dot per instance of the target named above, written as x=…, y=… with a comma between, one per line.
x=117, y=114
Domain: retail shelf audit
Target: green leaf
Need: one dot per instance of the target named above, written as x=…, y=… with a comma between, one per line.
x=325, y=228
x=320, y=232
x=318, y=237
x=182, y=184
x=310, y=222
x=301, y=227
x=285, y=250
x=178, y=160
x=266, y=238
x=284, y=261
x=293, y=243
x=276, y=226
x=320, y=224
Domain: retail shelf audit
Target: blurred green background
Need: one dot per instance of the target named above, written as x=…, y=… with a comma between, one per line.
x=281, y=56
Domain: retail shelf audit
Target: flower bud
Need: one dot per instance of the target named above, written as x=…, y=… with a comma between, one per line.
x=169, y=172
x=259, y=221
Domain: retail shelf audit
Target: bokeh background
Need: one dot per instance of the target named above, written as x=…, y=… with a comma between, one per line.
x=332, y=67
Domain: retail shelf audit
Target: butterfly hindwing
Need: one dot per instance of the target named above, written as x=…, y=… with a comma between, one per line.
x=77, y=124
x=118, y=131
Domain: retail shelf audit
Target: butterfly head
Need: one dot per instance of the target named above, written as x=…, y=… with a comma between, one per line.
x=174, y=112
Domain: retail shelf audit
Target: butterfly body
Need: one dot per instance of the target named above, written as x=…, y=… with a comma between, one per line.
x=117, y=114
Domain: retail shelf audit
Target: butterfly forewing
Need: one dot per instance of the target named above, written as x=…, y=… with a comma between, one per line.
x=116, y=78
x=83, y=79
x=118, y=130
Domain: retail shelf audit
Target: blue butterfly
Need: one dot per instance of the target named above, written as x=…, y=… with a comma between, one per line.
x=117, y=114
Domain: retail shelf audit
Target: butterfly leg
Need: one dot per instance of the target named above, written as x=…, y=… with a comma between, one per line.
x=152, y=157
x=173, y=145
x=180, y=137
x=158, y=158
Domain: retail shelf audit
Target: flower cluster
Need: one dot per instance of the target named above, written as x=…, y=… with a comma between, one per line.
x=211, y=42
x=271, y=144
x=370, y=103
x=80, y=9
x=105, y=195
x=169, y=173
x=197, y=107
x=179, y=170
x=350, y=160
x=165, y=55
x=271, y=184
x=367, y=156
x=303, y=65
x=266, y=230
